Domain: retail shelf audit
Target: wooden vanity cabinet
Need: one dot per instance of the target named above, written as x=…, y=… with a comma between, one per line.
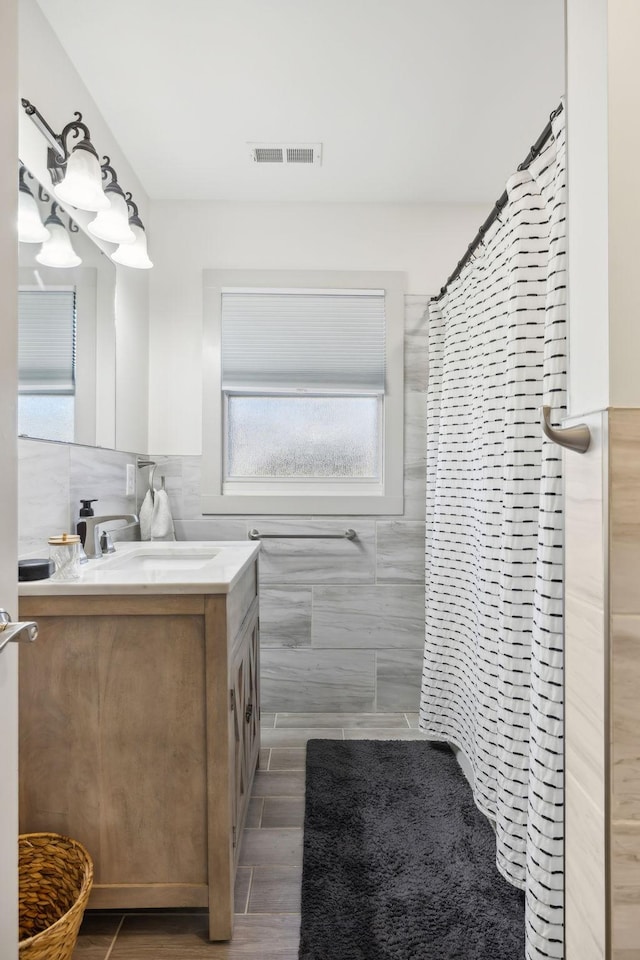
x=139, y=736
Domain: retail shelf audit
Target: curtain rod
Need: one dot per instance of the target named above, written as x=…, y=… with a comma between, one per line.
x=500, y=203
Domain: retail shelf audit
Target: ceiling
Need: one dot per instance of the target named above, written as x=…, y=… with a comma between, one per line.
x=413, y=100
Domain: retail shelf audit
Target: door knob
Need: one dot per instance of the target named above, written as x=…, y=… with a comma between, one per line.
x=27, y=631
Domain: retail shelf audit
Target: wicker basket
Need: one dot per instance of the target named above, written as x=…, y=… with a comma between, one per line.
x=55, y=877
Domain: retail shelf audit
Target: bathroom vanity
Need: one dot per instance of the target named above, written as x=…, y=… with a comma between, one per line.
x=139, y=720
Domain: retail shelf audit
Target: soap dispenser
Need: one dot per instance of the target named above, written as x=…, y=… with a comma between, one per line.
x=86, y=510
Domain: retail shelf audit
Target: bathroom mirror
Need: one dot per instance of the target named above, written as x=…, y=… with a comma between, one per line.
x=67, y=335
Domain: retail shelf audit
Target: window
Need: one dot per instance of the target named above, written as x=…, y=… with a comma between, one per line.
x=46, y=363
x=303, y=393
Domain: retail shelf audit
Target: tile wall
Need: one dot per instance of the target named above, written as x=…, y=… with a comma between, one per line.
x=342, y=623
x=624, y=681
x=586, y=695
x=602, y=678
x=52, y=477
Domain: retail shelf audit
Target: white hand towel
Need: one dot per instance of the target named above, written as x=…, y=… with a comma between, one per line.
x=146, y=513
x=162, y=521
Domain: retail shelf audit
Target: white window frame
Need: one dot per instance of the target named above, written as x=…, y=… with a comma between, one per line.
x=268, y=497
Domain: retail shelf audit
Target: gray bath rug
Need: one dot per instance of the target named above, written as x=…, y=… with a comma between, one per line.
x=398, y=862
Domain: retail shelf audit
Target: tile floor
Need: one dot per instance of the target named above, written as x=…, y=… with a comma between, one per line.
x=269, y=872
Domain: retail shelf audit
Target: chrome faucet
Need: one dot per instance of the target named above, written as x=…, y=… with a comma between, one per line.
x=92, y=541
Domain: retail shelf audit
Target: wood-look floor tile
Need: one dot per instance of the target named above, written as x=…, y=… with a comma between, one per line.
x=269, y=847
x=267, y=720
x=171, y=937
x=298, y=736
x=278, y=783
x=275, y=890
x=412, y=720
x=288, y=758
x=254, y=812
x=263, y=758
x=241, y=889
x=375, y=733
x=345, y=720
x=96, y=935
x=283, y=812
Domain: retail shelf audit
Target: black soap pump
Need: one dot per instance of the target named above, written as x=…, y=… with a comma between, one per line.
x=86, y=510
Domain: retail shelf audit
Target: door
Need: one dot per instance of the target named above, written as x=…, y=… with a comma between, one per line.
x=8, y=470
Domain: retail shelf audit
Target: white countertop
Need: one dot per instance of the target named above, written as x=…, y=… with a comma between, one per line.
x=185, y=566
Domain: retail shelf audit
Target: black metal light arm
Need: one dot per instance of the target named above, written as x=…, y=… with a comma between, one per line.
x=24, y=186
x=135, y=216
x=107, y=170
x=58, y=152
x=54, y=217
x=56, y=143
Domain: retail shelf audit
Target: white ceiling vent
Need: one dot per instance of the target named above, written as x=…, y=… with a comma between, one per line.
x=307, y=153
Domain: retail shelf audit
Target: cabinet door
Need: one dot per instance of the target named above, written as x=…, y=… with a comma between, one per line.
x=246, y=722
x=252, y=713
x=113, y=748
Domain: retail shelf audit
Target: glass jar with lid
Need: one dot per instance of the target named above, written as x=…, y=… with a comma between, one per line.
x=64, y=551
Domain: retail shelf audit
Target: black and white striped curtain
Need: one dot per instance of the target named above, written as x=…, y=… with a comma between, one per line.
x=492, y=680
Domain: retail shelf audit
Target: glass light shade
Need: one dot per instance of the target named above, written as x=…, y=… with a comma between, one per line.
x=30, y=226
x=57, y=251
x=113, y=224
x=134, y=254
x=82, y=184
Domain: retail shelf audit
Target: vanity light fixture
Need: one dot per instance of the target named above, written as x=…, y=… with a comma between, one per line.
x=30, y=226
x=112, y=225
x=134, y=254
x=75, y=172
x=58, y=251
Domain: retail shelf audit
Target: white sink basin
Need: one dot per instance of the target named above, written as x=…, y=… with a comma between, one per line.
x=153, y=561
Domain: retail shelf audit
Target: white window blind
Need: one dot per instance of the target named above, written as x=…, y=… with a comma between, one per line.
x=46, y=354
x=279, y=340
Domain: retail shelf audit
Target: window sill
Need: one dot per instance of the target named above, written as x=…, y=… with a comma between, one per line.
x=318, y=505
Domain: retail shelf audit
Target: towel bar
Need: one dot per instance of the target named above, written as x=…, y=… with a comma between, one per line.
x=347, y=535
x=577, y=438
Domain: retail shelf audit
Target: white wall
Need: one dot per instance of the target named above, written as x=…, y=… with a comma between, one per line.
x=588, y=205
x=603, y=127
x=624, y=202
x=423, y=240
x=49, y=80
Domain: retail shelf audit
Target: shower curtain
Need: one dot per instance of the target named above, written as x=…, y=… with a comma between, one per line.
x=492, y=678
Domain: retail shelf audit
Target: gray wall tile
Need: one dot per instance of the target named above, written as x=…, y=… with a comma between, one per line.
x=318, y=561
x=293, y=680
x=191, y=473
x=415, y=455
x=101, y=474
x=416, y=354
x=211, y=529
x=376, y=617
x=400, y=551
x=398, y=679
x=43, y=485
x=52, y=479
x=285, y=616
